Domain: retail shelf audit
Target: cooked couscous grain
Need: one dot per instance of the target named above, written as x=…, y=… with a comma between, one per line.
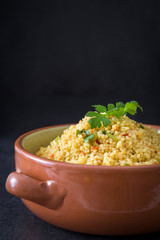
x=123, y=143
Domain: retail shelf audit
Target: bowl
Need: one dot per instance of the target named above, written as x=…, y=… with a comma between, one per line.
x=104, y=200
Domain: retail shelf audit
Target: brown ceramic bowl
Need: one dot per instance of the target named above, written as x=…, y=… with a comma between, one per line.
x=89, y=199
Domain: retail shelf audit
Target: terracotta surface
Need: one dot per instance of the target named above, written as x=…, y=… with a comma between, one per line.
x=89, y=199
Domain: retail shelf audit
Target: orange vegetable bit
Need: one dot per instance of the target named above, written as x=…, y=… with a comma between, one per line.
x=95, y=148
x=116, y=128
x=52, y=156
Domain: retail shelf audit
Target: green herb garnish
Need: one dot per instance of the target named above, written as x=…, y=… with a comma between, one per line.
x=104, y=132
x=112, y=136
x=86, y=140
x=97, y=119
x=57, y=139
x=141, y=126
x=78, y=132
x=87, y=132
x=102, y=114
x=126, y=164
x=88, y=135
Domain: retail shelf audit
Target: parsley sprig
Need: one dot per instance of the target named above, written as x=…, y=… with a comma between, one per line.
x=101, y=114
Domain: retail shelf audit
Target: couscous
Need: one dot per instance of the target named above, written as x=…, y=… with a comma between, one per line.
x=123, y=142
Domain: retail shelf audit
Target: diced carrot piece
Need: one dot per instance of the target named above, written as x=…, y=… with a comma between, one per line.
x=96, y=147
x=116, y=128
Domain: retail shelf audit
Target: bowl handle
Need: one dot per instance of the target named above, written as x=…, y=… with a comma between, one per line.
x=48, y=193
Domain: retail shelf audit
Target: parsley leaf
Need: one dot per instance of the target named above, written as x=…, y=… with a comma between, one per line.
x=100, y=108
x=131, y=107
x=98, y=119
x=137, y=104
x=91, y=114
x=101, y=115
x=118, y=112
x=110, y=106
x=122, y=109
x=119, y=104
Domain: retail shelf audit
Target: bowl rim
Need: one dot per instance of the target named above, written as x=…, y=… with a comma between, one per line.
x=51, y=163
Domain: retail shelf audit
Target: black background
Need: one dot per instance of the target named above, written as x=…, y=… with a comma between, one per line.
x=60, y=57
